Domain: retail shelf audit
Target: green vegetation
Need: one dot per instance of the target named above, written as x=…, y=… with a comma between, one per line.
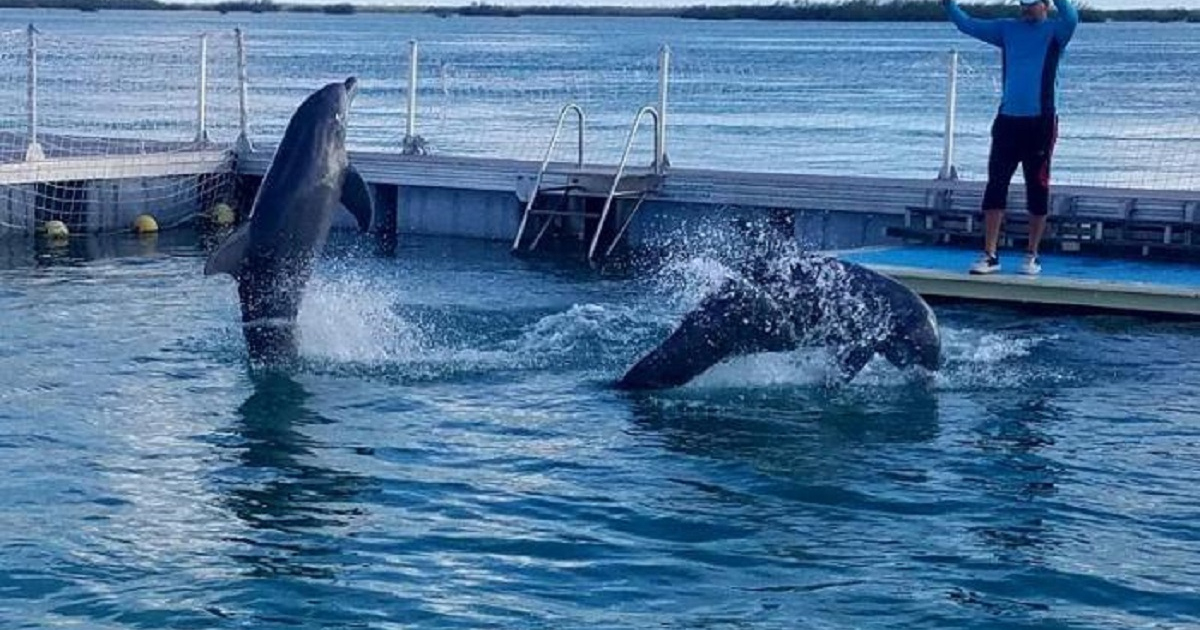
x=257, y=6
x=845, y=11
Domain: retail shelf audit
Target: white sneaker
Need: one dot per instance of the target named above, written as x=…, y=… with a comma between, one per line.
x=1031, y=266
x=985, y=265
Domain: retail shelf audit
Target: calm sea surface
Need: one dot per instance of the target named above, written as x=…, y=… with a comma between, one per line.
x=451, y=454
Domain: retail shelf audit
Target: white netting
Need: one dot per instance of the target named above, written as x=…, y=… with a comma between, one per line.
x=113, y=105
x=838, y=99
x=507, y=104
x=777, y=107
x=13, y=113
x=501, y=105
x=1121, y=125
x=816, y=101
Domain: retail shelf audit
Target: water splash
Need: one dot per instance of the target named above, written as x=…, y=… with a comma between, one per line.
x=586, y=334
x=988, y=360
x=347, y=322
x=349, y=319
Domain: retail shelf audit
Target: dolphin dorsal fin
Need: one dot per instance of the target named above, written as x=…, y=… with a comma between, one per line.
x=228, y=256
x=356, y=196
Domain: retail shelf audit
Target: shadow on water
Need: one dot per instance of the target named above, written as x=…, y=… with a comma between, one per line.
x=1014, y=481
x=787, y=431
x=279, y=490
x=1015, y=472
x=25, y=252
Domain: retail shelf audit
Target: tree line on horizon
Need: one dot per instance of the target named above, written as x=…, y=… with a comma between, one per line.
x=806, y=10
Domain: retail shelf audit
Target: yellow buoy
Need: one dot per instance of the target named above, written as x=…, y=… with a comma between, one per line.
x=56, y=230
x=145, y=224
x=222, y=215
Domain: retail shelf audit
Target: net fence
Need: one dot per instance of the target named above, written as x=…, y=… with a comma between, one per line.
x=77, y=110
x=825, y=104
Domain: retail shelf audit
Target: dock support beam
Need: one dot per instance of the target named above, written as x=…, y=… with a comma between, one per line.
x=387, y=211
x=33, y=150
x=948, y=171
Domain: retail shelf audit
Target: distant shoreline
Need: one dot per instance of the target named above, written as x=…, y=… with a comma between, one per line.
x=798, y=10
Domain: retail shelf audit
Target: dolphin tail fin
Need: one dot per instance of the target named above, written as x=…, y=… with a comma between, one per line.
x=228, y=256
x=356, y=196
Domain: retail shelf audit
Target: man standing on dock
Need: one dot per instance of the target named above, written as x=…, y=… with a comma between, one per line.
x=1026, y=127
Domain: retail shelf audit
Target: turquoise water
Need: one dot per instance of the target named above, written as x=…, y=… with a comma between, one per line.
x=451, y=456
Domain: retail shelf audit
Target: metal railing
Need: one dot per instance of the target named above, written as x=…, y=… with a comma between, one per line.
x=658, y=169
x=537, y=182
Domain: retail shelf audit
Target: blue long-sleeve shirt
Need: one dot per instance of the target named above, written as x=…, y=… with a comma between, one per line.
x=1031, y=52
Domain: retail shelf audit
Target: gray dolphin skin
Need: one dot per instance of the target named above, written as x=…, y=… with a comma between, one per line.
x=791, y=302
x=271, y=254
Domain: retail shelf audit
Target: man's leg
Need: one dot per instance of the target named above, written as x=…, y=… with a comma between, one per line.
x=993, y=219
x=1002, y=164
x=1036, y=169
x=1037, y=227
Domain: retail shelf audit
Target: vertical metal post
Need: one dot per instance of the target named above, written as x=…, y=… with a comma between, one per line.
x=660, y=135
x=33, y=150
x=413, y=144
x=948, y=171
x=202, y=93
x=410, y=128
x=243, y=141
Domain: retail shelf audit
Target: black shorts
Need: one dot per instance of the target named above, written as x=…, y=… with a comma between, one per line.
x=1025, y=140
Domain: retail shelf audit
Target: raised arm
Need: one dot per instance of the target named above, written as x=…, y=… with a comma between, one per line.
x=984, y=30
x=1068, y=19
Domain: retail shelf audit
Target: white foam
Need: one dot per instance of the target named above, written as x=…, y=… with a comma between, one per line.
x=982, y=359
x=776, y=369
x=583, y=332
x=348, y=319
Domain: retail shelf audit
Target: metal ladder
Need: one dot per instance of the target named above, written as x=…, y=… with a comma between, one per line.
x=575, y=194
x=639, y=194
x=548, y=215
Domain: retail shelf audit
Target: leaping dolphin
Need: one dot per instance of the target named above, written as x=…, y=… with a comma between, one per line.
x=271, y=255
x=783, y=302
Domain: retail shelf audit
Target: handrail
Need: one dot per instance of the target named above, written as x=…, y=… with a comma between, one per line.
x=612, y=193
x=537, y=183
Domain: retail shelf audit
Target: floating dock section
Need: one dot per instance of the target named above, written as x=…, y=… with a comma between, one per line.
x=868, y=220
x=1067, y=283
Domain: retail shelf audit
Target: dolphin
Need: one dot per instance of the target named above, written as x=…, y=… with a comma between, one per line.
x=778, y=304
x=271, y=254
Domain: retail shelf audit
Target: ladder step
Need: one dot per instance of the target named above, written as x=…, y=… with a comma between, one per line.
x=559, y=189
x=564, y=213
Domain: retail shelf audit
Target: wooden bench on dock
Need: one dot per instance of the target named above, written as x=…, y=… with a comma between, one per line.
x=1081, y=220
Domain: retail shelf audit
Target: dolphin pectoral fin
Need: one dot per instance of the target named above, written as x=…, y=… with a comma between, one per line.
x=851, y=360
x=356, y=197
x=228, y=256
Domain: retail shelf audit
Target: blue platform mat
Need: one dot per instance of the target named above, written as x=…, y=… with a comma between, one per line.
x=1057, y=266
